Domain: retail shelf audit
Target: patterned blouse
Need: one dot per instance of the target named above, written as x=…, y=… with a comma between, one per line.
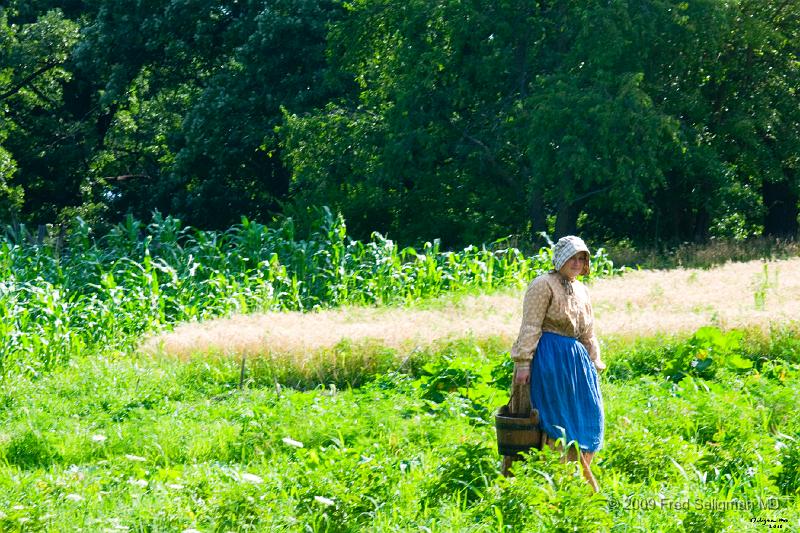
x=559, y=306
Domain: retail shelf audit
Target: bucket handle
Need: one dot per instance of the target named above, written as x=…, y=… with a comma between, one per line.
x=515, y=394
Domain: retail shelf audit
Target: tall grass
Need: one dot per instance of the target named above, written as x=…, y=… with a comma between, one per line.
x=141, y=444
x=122, y=441
x=58, y=300
x=704, y=255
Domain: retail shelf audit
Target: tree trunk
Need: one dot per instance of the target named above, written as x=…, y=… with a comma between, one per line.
x=780, y=199
x=702, y=223
x=103, y=124
x=538, y=219
x=567, y=219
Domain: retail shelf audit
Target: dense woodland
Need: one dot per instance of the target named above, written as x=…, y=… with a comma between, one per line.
x=645, y=121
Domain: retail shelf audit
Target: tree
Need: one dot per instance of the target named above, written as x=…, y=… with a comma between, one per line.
x=421, y=149
x=728, y=72
x=33, y=129
x=194, y=93
x=760, y=124
x=487, y=116
x=658, y=121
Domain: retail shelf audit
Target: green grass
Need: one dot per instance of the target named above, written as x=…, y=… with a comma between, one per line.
x=95, y=436
x=124, y=440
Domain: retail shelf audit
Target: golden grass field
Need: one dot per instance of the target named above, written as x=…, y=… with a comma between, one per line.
x=638, y=303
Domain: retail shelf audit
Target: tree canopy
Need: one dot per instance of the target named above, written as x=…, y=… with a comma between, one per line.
x=651, y=121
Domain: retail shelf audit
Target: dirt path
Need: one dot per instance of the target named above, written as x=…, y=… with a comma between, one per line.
x=640, y=303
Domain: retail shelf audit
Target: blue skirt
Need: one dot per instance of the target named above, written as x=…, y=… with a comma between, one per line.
x=566, y=391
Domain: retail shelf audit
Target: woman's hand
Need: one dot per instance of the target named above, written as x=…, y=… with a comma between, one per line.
x=522, y=376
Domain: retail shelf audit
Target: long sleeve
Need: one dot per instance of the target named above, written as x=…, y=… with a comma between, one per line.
x=534, y=308
x=589, y=340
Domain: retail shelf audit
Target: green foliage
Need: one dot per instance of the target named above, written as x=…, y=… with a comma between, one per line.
x=708, y=350
x=546, y=494
x=621, y=116
x=60, y=299
x=782, y=344
x=32, y=75
x=656, y=122
x=624, y=120
x=194, y=451
x=31, y=449
x=466, y=473
x=465, y=376
x=642, y=457
x=762, y=285
x=642, y=357
x=788, y=480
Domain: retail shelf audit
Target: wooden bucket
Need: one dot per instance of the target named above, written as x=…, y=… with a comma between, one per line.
x=517, y=433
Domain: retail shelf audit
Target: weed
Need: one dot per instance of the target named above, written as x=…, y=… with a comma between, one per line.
x=466, y=473
x=707, y=350
x=30, y=449
x=195, y=451
x=788, y=479
x=762, y=284
x=360, y=436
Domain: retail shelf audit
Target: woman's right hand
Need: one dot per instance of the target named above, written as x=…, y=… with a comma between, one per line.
x=522, y=376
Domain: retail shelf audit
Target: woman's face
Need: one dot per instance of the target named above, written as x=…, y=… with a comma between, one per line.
x=574, y=265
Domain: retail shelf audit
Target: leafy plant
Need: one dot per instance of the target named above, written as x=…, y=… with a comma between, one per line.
x=30, y=449
x=762, y=285
x=706, y=351
x=174, y=445
x=463, y=383
x=57, y=302
x=788, y=479
x=465, y=474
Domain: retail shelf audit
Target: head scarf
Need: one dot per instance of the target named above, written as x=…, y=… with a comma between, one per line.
x=565, y=248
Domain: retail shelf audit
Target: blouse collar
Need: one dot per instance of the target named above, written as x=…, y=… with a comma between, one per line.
x=565, y=282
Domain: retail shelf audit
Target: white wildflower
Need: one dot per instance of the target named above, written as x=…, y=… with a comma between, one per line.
x=74, y=497
x=131, y=457
x=291, y=442
x=251, y=478
x=99, y=438
x=323, y=500
x=117, y=526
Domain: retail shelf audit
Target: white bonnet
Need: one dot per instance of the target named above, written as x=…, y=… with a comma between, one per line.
x=565, y=248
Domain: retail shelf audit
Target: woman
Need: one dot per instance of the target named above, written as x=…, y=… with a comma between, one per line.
x=558, y=354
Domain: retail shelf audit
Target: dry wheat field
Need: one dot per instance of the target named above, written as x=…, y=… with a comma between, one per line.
x=637, y=303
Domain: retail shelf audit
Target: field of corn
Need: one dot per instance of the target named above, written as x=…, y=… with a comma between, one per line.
x=702, y=430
